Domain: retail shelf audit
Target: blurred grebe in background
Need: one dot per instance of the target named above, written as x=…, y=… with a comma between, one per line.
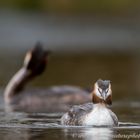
x=96, y=113
x=57, y=98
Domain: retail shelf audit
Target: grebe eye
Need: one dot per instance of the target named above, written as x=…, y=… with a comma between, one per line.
x=106, y=90
x=100, y=90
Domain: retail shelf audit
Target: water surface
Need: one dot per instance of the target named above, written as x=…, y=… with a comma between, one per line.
x=28, y=126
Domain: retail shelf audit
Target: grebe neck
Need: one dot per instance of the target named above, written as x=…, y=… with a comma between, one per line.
x=16, y=84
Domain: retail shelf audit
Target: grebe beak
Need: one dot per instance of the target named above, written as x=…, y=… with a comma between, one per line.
x=104, y=95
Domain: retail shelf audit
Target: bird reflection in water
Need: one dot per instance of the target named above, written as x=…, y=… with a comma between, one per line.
x=97, y=133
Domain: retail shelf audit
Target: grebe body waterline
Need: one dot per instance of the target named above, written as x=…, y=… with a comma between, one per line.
x=96, y=113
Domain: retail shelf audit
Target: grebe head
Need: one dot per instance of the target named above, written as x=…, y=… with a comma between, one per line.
x=36, y=59
x=102, y=92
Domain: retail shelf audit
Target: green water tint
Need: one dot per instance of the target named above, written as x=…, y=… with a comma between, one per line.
x=99, y=7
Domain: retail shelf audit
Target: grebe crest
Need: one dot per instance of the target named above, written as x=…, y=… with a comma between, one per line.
x=36, y=59
x=96, y=113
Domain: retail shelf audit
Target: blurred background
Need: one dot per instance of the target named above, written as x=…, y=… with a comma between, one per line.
x=89, y=40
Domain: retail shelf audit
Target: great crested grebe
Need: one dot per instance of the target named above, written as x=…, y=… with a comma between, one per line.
x=96, y=113
x=56, y=98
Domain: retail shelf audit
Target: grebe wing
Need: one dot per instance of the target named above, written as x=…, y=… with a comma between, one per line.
x=78, y=110
x=75, y=115
x=114, y=117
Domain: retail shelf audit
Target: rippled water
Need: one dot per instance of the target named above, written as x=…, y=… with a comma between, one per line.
x=46, y=126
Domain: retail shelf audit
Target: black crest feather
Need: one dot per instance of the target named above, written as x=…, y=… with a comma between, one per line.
x=103, y=84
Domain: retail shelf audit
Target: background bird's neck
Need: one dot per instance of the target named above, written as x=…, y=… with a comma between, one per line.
x=16, y=84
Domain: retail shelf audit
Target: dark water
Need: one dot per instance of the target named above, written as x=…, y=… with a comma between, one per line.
x=81, y=69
